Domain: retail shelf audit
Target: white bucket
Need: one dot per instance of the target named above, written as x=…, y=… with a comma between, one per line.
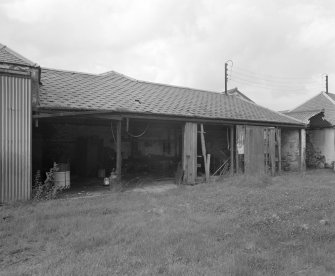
x=62, y=179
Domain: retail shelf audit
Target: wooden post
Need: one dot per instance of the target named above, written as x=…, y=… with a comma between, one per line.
x=232, y=150
x=302, y=148
x=266, y=150
x=272, y=150
x=208, y=161
x=237, y=169
x=118, y=151
x=279, y=149
x=240, y=138
x=203, y=145
x=203, y=148
x=190, y=152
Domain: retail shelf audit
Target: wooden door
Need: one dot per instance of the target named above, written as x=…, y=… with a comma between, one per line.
x=254, y=150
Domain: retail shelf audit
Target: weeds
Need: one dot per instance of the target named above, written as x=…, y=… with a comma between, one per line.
x=48, y=189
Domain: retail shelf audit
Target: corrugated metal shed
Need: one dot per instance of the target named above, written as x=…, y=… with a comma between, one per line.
x=15, y=135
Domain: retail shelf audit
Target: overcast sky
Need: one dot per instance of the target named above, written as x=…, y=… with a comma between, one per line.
x=279, y=48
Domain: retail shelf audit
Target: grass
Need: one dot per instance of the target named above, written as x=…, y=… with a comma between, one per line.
x=243, y=226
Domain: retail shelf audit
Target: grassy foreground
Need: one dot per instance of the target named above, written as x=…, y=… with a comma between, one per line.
x=244, y=226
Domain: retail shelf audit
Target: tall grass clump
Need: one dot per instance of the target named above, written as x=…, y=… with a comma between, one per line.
x=47, y=189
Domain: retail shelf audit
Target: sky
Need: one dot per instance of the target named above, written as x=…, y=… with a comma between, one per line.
x=278, y=52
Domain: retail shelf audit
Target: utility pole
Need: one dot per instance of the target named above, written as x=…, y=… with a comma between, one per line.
x=327, y=84
x=225, y=77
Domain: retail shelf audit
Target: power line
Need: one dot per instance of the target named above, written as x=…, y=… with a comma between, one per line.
x=271, y=84
x=279, y=81
x=269, y=76
x=286, y=89
x=267, y=81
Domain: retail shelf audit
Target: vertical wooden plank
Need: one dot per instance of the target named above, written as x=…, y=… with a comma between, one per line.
x=183, y=153
x=279, y=149
x=190, y=152
x=254, y=150
x=232, y=150
x=272, y=150
x=118, y=151
x=266, y=150
x=194, y=152
x=302, y=149
x=236, y=151
x=247, y=155
x=203, y=149
x=207, y=169
x=240, y=145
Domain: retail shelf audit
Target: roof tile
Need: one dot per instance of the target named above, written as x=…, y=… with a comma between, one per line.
x=9, y=56
x=320, y=102
x=113, y=91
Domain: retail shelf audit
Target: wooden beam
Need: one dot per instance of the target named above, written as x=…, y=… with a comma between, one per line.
x=232, y=150
x=302, y=148
x=76, y=113
x=203, y=148
x=166, y=117
x=266, y=150
x=190, y=152
x=107, y=117
x=272, y=150
x=279, y=149
x=213, y=121
x=237, y=169
x=118, y=151
x=240, y=138
x=207, y=168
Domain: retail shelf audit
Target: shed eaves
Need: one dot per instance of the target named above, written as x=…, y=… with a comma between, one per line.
x=115, y=92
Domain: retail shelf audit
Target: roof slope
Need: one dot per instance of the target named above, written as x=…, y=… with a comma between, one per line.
x=238, y=93
x=7, y=55
x=322, y=101
x=112, y=91
x=304, y=116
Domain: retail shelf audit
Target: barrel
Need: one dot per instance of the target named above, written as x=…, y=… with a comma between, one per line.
x=62, y=179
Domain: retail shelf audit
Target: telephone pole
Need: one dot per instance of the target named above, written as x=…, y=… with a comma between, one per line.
x=225, y=77
x=327, y=84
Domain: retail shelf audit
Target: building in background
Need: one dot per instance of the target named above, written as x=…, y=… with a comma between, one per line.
x=319, y=114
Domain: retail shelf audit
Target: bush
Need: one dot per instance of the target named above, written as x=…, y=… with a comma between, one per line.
x=45, y=190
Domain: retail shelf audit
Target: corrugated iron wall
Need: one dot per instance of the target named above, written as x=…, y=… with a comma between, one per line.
x=15, y=135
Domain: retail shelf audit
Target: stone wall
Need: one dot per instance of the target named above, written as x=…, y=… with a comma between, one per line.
x=322, y=142
x=290, y=149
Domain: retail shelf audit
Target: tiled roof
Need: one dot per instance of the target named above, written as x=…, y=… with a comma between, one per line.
x=332, y=96
x=238, y=93
x=321, y=101
x=304, y=116
x=115, y=92
x=9, y=56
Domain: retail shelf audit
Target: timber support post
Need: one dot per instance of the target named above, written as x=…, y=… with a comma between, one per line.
x=302, y=150
x=231, y=150
x=189, y=159
x=207, y=157
x=118, y=151
x=279, y=149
